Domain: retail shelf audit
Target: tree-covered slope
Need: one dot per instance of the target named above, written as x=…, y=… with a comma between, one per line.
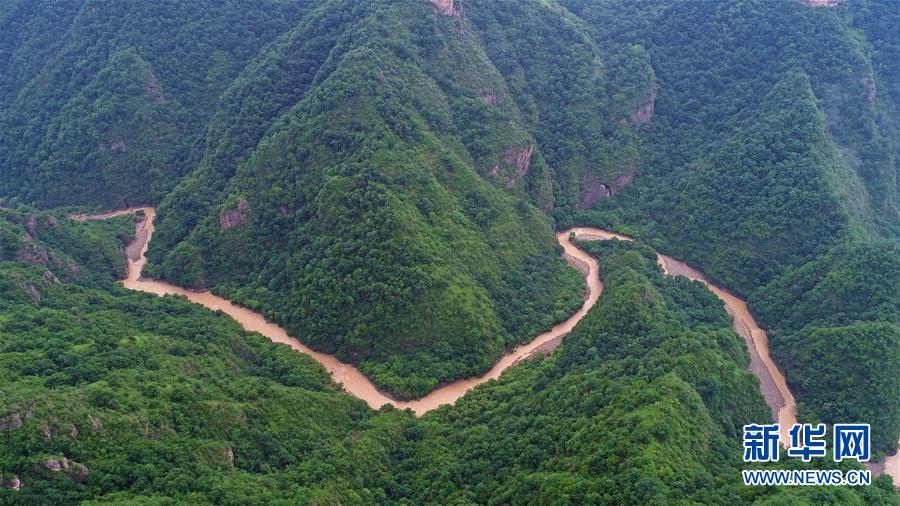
x=101, y=104
x=583, y=105
x=772, y=166
x=383, y=178
x=834, y=329
x=403, y=184
x=643, y=404
x=115, y=396
x=379, y=130
x=773, y=133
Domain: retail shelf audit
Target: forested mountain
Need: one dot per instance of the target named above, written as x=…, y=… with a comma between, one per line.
x=361, y=209
x=104, y=103
x=773, y=160
x=771, y=140
x=128, y=398
x=384, y=180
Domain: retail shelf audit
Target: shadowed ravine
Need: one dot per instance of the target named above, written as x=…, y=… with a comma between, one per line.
x=772, y=383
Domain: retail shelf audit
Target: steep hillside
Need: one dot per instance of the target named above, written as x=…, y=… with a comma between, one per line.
x=642, y=405
x=112, y=395
x=767, y=143
x=102, y=104
x=835, y=328
x=583, y=106
x=396, y=186
x=772, y=165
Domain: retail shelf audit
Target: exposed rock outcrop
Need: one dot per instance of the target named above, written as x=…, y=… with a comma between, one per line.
x=26, y=286
x=77, y=471
x=235, y=216
x=550, y=201
x=869, y=83
x=644, y=113
x=520, y=158
x=31, y=227
x=71, y=469
x=489, y=98
x=592, y=190
x=116, y=145
x=32, y=253
x=96, y=424
x=12, y=483
x=50, y=278
x=153, y=89
x=447, y=7
x=11, y=421
x=623, y=180
x=53, y=465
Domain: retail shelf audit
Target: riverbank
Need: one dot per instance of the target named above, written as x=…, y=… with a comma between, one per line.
x=772, y=382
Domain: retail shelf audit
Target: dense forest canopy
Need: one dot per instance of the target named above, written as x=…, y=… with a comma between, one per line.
x=773, y=167
x=117, y=396
x=384, y=179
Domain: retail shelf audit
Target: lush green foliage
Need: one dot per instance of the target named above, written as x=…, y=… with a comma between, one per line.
x=58, y=251
x=853, y=283
x=103, y=104
x=425, y=146
x=384, y=180
x=383, y=130
x=142, y=399
x=150, y=398
x=765, y=146
x=772, y=166
x=847, y=373
x=643, y=405
x=366, y=220
x=834, y=329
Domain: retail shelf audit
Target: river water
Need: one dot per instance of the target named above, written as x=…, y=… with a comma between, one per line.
x=772, y=383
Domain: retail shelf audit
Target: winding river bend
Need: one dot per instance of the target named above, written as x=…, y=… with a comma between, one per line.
x=772, y=383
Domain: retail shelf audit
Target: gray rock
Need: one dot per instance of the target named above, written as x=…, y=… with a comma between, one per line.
x=11, y=421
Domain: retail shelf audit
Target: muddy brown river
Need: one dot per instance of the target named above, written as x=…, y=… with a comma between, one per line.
x=772, y=383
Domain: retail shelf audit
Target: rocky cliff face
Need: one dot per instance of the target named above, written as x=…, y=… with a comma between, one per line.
x=69, y=468
x=153, y=89
x=447, y=7
x=520, y=158
x=11, y=421
x=644, y=114
x=595, y=189
x=869, y=84
x=235, y=216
